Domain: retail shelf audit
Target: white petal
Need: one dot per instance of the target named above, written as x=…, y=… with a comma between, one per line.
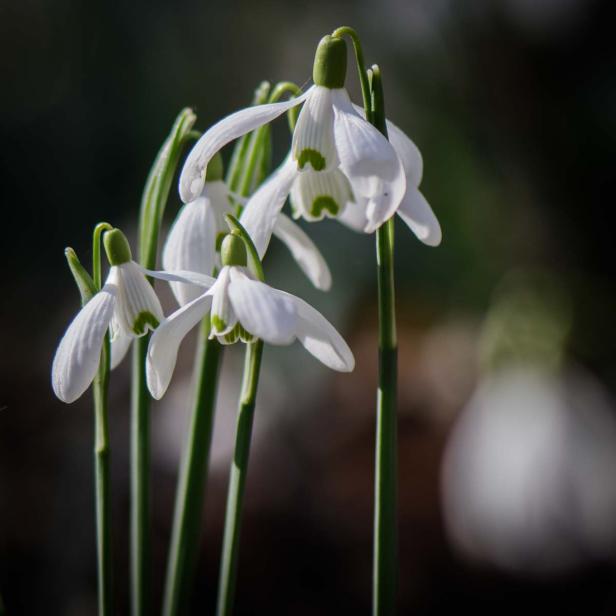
x=138, y=307
x=319, y=336
x=228, y=129
x=182, y=276
x=418, y=215
x=165, y=342
x=354, y=215
x=405, y=148
x=304, y=252
x=120, y=342
x=261, y=212
x=222, y=315
x=261, y=311
x=78, y=355
x=313, y=138
x=369, y=161
x=191, y=245
x=408, y=152
x=317, y=194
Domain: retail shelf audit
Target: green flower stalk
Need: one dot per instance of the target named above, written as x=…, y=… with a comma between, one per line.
x=385, y=548
x=194, y=227
x=153, y=204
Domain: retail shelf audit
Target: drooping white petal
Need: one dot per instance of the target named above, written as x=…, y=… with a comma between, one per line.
x=191, y=245
x=120, y=342
x=354, y=216
x=218, y=193
x=405, y=148
x=77, y=358
x=319, y=336
x=317, y=194
x=166, y=339
x=304, y=251
x=261, y=211
x=228, y=129
x=369, y=161
x=408, y=152
x=261, y=311
x=223, y=317
x=418, y=215
x=138, y=308
x=313, y=138
x=183, y=276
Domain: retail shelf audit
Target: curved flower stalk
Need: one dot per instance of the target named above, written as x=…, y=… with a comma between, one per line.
x=126, y=305
x=243, y=308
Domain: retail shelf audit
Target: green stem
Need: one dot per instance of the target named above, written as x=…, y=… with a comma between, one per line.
x=385, y=572
x=237, y=480
x=190, y=493
x=102, y=482
x=361, y=65
x=102, y=487
x=153, y=203
x=140, y=480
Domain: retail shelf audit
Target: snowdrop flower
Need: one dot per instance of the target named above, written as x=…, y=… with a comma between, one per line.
x=127, y=305
x=194, y=241
x=336, y=157
x=242, y=308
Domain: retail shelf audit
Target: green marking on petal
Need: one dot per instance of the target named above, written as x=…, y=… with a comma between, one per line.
x=312, y=157
x=324, y=206
x=217, y=323
x=143, y=320
x=244, y=335
x=231, y=337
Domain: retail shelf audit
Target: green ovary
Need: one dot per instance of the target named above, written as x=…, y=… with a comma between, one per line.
x=143, y=319
x=312, y=157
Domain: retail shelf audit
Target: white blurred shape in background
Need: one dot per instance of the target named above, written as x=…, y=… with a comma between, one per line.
x=528, y=480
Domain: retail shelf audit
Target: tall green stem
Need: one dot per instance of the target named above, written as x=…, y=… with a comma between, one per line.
x=385, y=552
x=193, y=475
x=100, y=387
x=385, y=572
x=102, y=482
x=237, y=479
x=153, y=203
x=140, y=480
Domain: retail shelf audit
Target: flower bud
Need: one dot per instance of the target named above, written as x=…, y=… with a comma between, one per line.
x=117, y=247
x=330, y=62
x=233, y=251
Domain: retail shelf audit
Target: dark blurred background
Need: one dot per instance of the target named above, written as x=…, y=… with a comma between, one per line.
x=512, y=105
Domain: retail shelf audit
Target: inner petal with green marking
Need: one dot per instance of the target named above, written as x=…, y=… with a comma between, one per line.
x=143, y=321
x=311, y=157
x=319, y=194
